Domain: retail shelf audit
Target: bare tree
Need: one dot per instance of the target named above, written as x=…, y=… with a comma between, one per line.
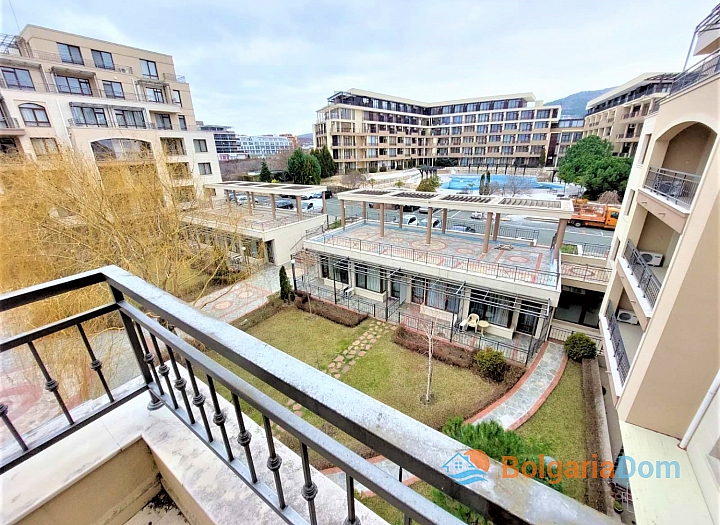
x=428, y=328
x=512, y=185
x=609, y=197
x=353, y=179
x=279, y=161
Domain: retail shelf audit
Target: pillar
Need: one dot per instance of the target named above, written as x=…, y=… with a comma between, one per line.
x=496, y=229
x=428, y=233
x=342, y=213
x=298, y=206
x=488, y=226
x=444, y=219
x=400, y=216
x=324, y=204
x=249, y=201
x=364, y=211
x=562, y=224
x=382, y=219
x=272, y=206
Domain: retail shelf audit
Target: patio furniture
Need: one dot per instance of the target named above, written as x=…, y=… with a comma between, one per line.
x=483, y=325
x=470, y=322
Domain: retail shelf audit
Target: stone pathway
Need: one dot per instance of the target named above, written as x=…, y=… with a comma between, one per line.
x=511, y=410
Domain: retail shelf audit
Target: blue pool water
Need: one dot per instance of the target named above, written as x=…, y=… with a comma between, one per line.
x=461, y=182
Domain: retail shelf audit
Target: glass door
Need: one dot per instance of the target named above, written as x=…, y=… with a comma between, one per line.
x=527, y=323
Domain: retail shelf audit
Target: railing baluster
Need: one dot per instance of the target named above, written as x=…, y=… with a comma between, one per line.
x=11, y=427
x=164, y=370
x=219, y=417
x=198, y=399
x=350, y=489
x=95, y=363
x=309, y=490
x=51, y=385
x=274, y=461
x=244, y=438
x=180, y=384
x=148, y=358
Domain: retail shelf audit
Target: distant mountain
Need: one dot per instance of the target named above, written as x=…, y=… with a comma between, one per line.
x=307, y=138
x=574, y=105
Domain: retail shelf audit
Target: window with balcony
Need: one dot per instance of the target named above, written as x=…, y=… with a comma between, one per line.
x=162, y=121
x=205, y=168
x=542, y=124
x=153, y=94
x=17, y=78
x=113, y=89
x=508, y=139
x=507, y=150
x=103, y=59
x=497, y=117
x=527, y=115
x=34, y=115
x=121, y=149
x=372, y=279
x=495, y=128
x=89, y=116
x=494, y=138
x=543, y=113
x=173, y=146
x=70, y=54
x=149, y=69
x=483, y=117
x=75, y=86
x=482, y=128
x=523, y=137
x=512, y=115
x=511, y=126
x=128, y=118
x=539, y=136
x=44, y=146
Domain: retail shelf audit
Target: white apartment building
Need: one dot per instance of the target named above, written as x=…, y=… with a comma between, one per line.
x=263, y=145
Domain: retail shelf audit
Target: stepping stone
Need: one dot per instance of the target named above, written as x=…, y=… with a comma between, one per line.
x=352, y=362
x=337, y=376
x=362, y=353
x=368, y=347
x=298, y=413
x=373, y=340
x=352, y=352
x=297, y=406
x=356, y=342
x=345, y=352
x=339, y=359
x=346, y=370
x=289, y=402
x=331, y=365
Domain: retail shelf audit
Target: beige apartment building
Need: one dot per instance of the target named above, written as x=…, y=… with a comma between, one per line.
x=661, y=310
x=366, y=131
x=618, y=115
x=108, y=101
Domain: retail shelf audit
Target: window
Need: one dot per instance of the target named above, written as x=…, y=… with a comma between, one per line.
x=18, y=78
x=128, y=118
x=336, y=271
x=149, y=69
x=44, y=147
x=527, y=115
x=154, y=94
x=371, y=279
x=121, y=149
x=205, y=168
x=34, y=115
x=200, y=145
x=183, y=124
x=539, y=136
x=162, y=121
x=524, y=137
x=103, y=59
x=483, y=117
x=89, y=116
x=541, y=124
x=511, y=115
x=482, y=128
x=628, y=202
x=645, y=146
x=496, y=117
x=511, y=126
x=614, y=251
x=173, y=146
x=176, y=97
x=113, y=89
x=76, y=86
x=70, y=54
x=508, y=139
x=178, y=170
x=495, y=128
x=543, y=113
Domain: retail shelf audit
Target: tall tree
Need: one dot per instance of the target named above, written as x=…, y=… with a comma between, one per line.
x=294, y=165
x=328, y=166
x=309, y=171
x=590, y=164
x=265, y=175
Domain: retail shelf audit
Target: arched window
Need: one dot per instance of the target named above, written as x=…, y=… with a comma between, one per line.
x=34, y=115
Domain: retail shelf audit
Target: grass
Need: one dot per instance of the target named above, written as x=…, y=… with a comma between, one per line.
x=560, y=422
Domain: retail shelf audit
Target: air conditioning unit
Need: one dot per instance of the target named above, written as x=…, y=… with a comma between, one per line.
x=627, y=316
x=652, y=258
x=126, y=70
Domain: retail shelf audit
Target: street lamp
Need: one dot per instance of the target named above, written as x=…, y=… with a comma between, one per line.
x=245, y=257
x=292, y=265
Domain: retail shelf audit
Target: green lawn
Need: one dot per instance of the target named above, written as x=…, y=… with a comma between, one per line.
x=560, y=422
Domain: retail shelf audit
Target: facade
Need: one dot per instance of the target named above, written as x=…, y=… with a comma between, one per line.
x=264, y=145
x=107, y=101
x=227, y=142
x=294, y=141
x=661, y=310
x=618, y=115
x=365, y=130
x=563, y=134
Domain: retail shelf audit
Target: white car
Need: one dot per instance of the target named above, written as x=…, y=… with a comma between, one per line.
x=436, y=223
x=477, y=215
x=423, y=210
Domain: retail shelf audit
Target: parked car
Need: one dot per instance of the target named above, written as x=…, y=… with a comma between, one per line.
x=409, y=220
x=436, y=223
x=409, y=207
x=285, y=204
x=307, y=206
x=422, y=209
x=461, y=228
x=477, y=215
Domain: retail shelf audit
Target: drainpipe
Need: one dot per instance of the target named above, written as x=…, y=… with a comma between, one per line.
x=700, y=412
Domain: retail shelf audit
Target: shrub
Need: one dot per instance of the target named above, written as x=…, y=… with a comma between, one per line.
x=383, y=169
x=491, y=364
x=333, y=312
x=286, y=290
x=442, y=350
x=373, y=170
x=579, y=346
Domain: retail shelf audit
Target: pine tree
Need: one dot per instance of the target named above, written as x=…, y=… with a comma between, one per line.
x=265, y=175
x=286, y=289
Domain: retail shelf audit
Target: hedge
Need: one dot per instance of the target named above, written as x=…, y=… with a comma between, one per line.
x=333, y=312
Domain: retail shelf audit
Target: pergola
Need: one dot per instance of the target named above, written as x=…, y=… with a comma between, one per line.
x=492, y=205
x=273, y=189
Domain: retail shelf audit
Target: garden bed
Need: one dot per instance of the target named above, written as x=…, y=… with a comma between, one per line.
x=333, y=312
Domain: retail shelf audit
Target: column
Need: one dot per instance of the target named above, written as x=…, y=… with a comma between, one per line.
x=342, y=213
x=249, y=200
x=382, y=220
x=298, y=206
x=562, y=224
x=428, y=232
x=488, y=226
x=272, y=206
x=444, y=219
x=496, y=229
x=400, y=216
x=324, y=204
x=364, y=211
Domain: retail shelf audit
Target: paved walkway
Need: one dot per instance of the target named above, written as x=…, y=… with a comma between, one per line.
x=511, y=410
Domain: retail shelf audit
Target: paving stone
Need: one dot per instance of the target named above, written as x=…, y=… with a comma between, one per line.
x=361, y=353
x=337, y=376
x=289, y=402
x=356, y=342
x=352, y=352
x=346, y=370
x=298, y=413
x=331, y=365
x=368, y=347
x=352, y=362
x=339, y=359
x=297, y=406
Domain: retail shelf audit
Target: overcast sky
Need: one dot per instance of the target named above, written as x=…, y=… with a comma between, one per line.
x=266, y=66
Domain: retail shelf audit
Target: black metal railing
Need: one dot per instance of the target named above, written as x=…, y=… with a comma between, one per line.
x=560, y=334
x=585, y=272
x=586, y=250
x=708, y=67
x=648, y=282
x=676, y=186
x=618, y=347
x=166, y=360
x=463, y=264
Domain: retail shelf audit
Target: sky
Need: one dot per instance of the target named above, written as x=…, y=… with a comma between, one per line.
x=267, y=66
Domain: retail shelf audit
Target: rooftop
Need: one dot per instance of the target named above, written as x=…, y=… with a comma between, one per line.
x=268, y=188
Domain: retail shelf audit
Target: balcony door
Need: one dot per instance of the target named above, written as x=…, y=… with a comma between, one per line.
x=527, y=323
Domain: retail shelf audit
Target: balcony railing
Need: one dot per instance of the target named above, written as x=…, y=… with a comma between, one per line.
x=560, y=334
x=150, y=321
x=25, y=52
x=648, y=283
x=9, y=123
x=174, y=78
x=585, y=272
x=587, y=250
x=455, y=262
x=705, y=69
x=676, y=186
x=618, y=347
x=626, y=135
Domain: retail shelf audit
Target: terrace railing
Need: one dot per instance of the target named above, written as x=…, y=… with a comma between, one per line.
x=149, y=323
x=463, y=264
x=618, y=347
x=708, y=67
x=648, y=283
x=9, y=123
x=676, y=186
x=586, y=250
x=25, y=51
x=585, y=272
x=84, y=92
x=560, y=334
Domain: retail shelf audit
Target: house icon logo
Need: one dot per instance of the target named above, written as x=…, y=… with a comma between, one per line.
x=468, y=466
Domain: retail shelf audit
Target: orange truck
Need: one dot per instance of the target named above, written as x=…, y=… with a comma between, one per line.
x=594, y=214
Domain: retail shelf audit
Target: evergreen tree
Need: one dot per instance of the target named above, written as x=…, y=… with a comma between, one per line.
x=328, y=168
x=294, y=165
x=265, y=175
x=310, y=170
x=286, y=289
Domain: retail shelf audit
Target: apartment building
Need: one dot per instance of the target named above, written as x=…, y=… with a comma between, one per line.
x=563, y=134
x=108, y=101
x=366, y=130
x=227, y=142
x=661, y=311
x=618, y=115
x=264, y=145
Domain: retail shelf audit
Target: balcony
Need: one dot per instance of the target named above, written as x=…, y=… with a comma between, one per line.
x=174, y=78
x=617, y=347
x=10, y=126
x=675, y=186
x=148, y=319
x=647, y=282
x=704, y=70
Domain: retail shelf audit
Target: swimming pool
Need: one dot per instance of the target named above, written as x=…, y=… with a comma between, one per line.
x=462, y=182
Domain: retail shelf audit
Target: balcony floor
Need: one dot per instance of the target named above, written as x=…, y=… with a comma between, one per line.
x=631, y=335
x=461, y=245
